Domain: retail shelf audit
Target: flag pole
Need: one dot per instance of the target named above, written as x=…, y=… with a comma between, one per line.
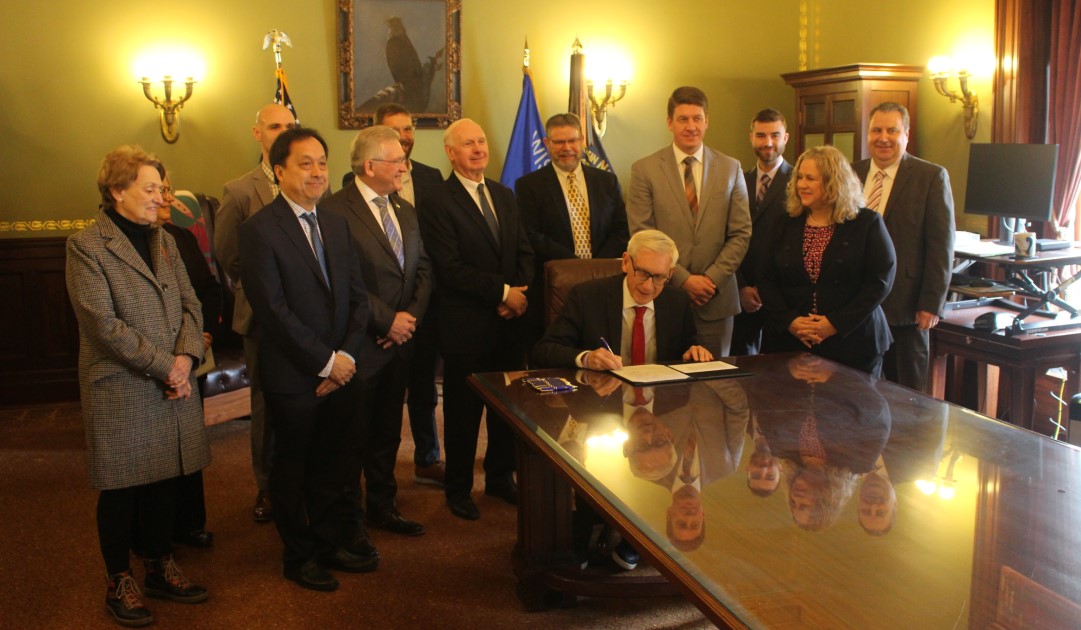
x=525, y=152
x=275, y=38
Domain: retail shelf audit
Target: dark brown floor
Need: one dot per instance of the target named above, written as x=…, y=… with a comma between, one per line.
x=458, y=575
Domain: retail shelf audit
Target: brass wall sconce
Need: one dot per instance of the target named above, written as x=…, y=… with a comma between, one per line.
x=613, y=91
x=941, y=72
x=170, y=107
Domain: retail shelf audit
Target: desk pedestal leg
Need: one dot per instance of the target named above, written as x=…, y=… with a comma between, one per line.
x=1023, y=397
x=544, y=528
x=938, y=375
x=987, y=386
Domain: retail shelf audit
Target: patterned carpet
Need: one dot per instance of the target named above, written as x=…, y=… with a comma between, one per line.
x=458, y=575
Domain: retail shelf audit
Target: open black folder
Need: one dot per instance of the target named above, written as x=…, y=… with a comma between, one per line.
x=653, y=374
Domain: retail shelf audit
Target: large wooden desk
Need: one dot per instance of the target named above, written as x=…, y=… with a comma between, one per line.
x=985, y=528
x=1022, y=357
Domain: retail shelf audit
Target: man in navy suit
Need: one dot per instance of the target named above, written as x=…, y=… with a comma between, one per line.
x=766, y=184
x=304, y=282
x=484, y=265
x=418, y=183
x=570, y=209
x=397, y=273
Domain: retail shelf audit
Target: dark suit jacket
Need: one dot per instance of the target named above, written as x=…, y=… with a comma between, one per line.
x=390, y=288
x=206, y=287
x=919, y=218
x=856, y=275
x=301, y=321
x=763, y=218
x=594, y=309
x=471, y=267
x=544, y=212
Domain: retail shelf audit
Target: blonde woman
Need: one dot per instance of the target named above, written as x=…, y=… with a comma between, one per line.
x=830, y=266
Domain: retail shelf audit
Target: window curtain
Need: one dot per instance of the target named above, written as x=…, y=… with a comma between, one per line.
x=1037, y=91
x=1064, y=107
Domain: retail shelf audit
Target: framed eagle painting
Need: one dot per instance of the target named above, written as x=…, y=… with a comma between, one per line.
x=399, y=51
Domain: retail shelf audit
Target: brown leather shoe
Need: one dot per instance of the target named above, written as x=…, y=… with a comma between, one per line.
x=125, y=603
x=433, y=475
x=165, y=580
x=262, y=512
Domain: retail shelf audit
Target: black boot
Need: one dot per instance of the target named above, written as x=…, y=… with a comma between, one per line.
x=165, y=580
x=125, y=603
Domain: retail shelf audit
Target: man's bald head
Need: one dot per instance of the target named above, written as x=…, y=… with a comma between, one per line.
x=270, y=121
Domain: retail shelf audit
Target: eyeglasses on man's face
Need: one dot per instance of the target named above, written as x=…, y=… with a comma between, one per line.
x=659, y=279
x=400, y=161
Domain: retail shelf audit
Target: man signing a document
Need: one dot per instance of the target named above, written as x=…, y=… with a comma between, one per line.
x=625, y=320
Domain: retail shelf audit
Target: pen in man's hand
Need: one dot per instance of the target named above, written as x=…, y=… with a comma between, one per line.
x=606, y=346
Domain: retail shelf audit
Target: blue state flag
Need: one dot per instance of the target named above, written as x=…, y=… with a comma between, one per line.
x=526, y=152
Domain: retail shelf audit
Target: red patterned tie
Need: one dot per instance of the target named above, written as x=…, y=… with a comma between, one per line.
x=638, y=337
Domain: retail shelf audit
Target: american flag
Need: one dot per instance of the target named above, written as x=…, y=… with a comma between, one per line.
x=281, y=93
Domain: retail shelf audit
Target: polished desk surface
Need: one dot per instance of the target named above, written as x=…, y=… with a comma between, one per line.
x=987, y=523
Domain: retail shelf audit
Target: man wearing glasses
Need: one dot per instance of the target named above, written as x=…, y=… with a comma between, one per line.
x=570, y=209
x=626, y=320
x=398, y=274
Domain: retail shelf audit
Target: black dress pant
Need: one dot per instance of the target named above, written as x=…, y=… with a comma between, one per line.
x=306, y=487
x=137, y=516
x=377, y=437
x=747, y=333
x=462, y=410
x=423, y=396
x=907, y=362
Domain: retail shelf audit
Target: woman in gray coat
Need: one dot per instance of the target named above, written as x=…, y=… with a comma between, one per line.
x=140, y=333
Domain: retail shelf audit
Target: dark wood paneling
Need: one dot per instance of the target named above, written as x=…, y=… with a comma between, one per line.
x=39, y=337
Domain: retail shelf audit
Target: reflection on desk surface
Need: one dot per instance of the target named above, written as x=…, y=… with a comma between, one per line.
x=811, y=495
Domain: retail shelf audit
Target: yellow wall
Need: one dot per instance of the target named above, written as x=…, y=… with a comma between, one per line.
x=68, y=94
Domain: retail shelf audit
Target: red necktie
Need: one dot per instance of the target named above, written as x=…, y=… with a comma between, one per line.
x=638, y=337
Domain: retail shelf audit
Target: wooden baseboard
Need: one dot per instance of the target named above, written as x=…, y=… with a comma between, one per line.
x=227, y=406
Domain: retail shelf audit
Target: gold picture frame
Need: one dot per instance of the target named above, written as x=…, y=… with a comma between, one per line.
x=399, y=51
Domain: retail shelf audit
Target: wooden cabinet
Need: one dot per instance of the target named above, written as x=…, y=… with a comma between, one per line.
x=833, y=105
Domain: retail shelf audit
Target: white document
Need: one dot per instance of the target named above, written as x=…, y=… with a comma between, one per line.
x=651, y=373
x=705, y=366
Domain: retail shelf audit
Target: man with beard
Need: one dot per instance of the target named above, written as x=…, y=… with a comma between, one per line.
x=766, y=184
x=570, y=209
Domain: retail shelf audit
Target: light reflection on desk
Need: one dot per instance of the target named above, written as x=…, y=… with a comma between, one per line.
x=794, y=494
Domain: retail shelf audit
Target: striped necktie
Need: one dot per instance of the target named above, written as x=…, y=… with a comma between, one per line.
x=392, y=232
x=317, y=243
x=763, y=186
x=688, y=185
x=875, y=198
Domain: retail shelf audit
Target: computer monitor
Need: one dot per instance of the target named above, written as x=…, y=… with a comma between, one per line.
x=1013, y=181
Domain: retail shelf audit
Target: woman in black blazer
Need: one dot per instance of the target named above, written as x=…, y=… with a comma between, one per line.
x=830, y=266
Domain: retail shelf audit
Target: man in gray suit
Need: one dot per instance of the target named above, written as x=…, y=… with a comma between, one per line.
x=397, y=274
x=243, y=197
x=697, y=196
x=916, y=202
x=766, y=184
